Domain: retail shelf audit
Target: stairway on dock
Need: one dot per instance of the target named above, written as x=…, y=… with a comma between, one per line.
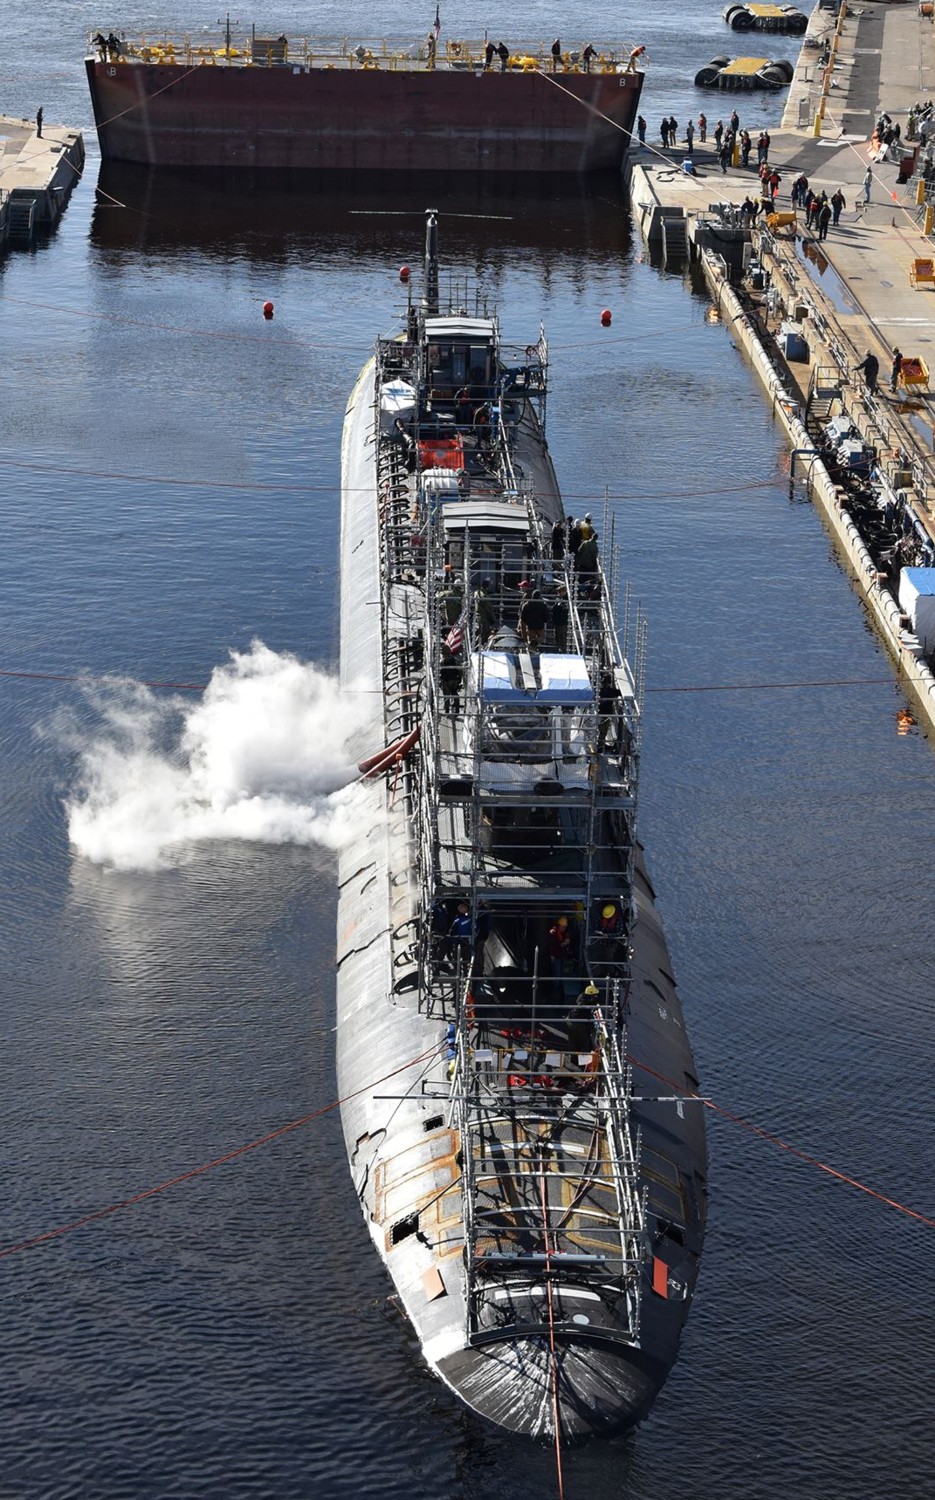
x=21, y=222
x=675, y=237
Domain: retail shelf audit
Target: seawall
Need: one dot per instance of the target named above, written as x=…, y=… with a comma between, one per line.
x=847, y=294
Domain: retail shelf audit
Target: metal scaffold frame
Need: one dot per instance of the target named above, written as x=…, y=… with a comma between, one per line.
x=537, y=1087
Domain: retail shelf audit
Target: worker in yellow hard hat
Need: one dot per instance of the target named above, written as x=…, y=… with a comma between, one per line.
x=581, y=1019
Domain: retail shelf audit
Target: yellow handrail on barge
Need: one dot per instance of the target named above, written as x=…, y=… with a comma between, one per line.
x=245, y=49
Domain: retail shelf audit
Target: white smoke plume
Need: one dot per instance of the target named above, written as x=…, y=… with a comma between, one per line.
x=263, y=755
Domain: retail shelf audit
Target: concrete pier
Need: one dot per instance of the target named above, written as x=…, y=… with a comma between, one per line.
x=37, y=174
x=852, y=292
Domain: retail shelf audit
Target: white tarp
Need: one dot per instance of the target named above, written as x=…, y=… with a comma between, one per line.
x=496, y=684
x=564, y=679
x=441, y=482
x=397, y=399
x=917, y=600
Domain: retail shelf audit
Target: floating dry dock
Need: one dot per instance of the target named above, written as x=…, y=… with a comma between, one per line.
x=37, y=174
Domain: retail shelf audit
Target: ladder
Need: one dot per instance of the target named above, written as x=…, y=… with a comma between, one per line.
x=22, y=219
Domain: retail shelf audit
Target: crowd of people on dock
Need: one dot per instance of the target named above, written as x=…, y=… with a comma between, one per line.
x=733, y=147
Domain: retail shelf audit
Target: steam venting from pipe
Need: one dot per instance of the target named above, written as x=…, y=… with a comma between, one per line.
x=263, y=755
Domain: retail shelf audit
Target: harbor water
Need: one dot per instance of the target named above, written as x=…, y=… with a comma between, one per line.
x=171, y=466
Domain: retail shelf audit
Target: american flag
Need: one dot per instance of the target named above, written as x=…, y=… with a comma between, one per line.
x=438, y=24
x=455, y=636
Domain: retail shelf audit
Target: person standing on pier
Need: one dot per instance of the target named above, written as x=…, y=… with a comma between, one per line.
x=837, y=204
x=734, y=122
x=762, y=149
x=39, y=122
x=641, y=130
x=870, y=366
x=746, y=146
x=664, y=130
x=868, y=184
x=718, y=135
x=702, y=128
x=724, y=155
x=824, y=219
x=689, y=136
x=673, y=131
x=895, y=369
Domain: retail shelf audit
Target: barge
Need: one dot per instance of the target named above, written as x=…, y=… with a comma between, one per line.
x=238, y=100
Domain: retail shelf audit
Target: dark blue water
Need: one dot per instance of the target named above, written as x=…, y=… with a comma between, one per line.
x=171, y=467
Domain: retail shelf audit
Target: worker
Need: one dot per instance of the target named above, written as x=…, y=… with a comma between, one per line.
x=587, y=54
x=581, y=1020
x=607, y=939
x=461, y=934
x=895, y=369
x=449, y=678
x=533, y=618
x=558, y=947
x=560, y=618
x=870, y=366
x=556, y=54
x=485, y=612
x=450, y=599
x=503, y=52
x=586, y=555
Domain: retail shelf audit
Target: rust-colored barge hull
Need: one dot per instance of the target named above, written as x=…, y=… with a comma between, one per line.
x=349, y=120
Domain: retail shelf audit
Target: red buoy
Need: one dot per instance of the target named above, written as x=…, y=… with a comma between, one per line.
x=404, y=273
x=267, y=310
x=606, y=318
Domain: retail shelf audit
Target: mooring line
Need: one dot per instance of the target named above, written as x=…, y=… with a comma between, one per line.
x=162, y=1187
x=783, y=1145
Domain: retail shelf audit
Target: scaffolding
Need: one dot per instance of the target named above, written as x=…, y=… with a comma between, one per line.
x=520, y=805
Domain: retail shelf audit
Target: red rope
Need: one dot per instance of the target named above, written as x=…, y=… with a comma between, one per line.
x=548, y=1290
x=188, y=687
x=263, y=1140
x=775, y=1140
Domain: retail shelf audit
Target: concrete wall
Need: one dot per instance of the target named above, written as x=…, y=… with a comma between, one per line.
x=913, y=672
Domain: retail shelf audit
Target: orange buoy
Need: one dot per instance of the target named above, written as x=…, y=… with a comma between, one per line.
x=267, y=310
x=404, y=273
x=606, y=318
